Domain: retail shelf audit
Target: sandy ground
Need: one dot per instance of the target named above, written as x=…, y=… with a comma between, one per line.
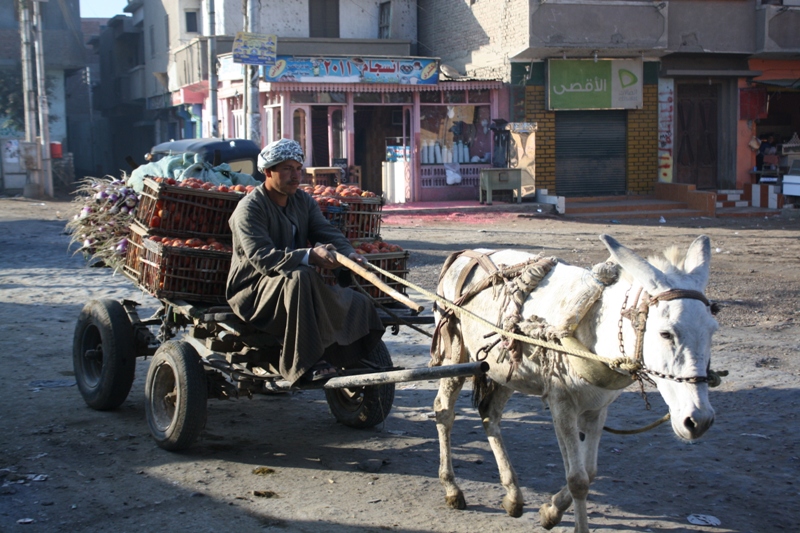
x=65, y=467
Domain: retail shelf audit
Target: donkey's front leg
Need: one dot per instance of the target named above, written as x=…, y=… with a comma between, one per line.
x=491, y=411
x=565, y=420
x=444, y=408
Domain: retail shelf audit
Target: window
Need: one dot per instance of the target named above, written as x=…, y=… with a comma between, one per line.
x=191, y=22
x=166, y=29
x=323, y=16
x=385, y=24
x=455, y=134
x=152, y=41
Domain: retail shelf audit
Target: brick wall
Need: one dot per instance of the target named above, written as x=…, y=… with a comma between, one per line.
x=642, y=165
x=545, y=137
x=474, y=37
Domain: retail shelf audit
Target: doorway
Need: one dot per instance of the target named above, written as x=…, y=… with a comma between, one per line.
x=696, y=155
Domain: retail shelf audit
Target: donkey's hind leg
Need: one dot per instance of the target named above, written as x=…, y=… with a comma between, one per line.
x=491, y=411
x=444, y=408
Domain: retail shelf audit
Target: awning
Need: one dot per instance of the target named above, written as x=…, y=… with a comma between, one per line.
x=783, y=84
x=380, y=87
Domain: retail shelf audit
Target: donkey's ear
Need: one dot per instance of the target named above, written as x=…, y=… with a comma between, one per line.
x=651, y=278
x=698, y=260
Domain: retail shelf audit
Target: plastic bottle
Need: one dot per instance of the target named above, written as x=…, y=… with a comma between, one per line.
x=459, y=146
x=424, y=152
x=437, y=153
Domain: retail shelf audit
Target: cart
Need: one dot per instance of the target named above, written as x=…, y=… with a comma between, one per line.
x=201, y=352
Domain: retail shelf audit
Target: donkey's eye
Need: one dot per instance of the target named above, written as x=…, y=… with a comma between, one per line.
x=666, y=335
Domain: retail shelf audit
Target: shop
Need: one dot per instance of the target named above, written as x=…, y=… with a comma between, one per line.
x=770, y=109
x=383, y=119
x=591, y=102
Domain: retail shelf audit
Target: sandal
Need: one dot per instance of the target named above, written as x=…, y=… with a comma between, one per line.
x=321, y=371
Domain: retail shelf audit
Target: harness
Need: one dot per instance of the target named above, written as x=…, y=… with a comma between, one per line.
x=519, y=280
x=638, y=318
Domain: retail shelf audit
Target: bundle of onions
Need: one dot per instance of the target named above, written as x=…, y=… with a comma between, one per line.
x=104, y=211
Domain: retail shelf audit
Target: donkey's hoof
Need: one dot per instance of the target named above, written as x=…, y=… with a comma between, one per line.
x=549, y=516
x=457, y=501
x=512, y=508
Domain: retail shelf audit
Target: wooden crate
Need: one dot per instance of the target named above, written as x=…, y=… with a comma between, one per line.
x=176, y=273
x=185, y=211
x=363, y=220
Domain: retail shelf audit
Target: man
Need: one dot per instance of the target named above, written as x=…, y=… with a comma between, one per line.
x=273, y=284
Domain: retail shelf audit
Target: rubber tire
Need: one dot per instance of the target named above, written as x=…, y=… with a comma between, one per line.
x=104, y=379
x=364, y=407
x=176, y=395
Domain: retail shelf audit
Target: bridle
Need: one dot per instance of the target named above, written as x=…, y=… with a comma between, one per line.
x=638, y=317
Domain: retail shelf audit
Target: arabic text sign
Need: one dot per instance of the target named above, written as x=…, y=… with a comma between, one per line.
x=407, y=71
x=254, y=48
x=586, y=84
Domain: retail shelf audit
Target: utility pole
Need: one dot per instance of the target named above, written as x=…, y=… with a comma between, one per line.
x=34, y=188
x=252, y=116
x=213, y=126
x=44, y=111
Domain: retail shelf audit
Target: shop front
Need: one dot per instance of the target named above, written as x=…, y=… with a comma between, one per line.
x=770, y=115
x=379, y=118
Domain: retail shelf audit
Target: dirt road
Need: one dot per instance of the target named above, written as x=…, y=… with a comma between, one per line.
x=65, y=467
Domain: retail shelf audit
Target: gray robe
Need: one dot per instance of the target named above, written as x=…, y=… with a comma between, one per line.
x=270, y=288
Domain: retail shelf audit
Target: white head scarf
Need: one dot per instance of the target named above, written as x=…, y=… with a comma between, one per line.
x=280, y=151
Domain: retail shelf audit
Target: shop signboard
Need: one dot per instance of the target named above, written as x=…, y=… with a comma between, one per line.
x=228, y=70
x=589, y=84
x=406, y=71
x=254, y=48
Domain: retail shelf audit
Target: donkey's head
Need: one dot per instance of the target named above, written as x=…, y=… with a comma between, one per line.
x=679, y=327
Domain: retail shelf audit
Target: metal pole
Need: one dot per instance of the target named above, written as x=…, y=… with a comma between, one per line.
x=411, y=374
x=44, y=111
x=33, y=189
x=253, y=115
x=246, y=74
x=393, y=376
x=213, y=130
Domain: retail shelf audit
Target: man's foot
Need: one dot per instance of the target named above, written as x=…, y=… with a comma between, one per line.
x=319, y=372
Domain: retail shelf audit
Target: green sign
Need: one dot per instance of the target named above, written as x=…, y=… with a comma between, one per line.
x=589, y=84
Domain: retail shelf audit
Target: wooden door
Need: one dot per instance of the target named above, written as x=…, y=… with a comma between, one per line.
x=696, y=154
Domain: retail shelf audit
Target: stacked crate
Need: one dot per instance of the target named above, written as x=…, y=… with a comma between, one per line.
x=359, y=218
x=179, y=243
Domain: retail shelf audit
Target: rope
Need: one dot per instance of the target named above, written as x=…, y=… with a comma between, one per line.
x=624, y=364
x=639, y=430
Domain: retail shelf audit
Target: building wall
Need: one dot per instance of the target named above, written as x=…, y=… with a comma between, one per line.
x=717, y=26
x=642, y=140
x=545, y=120
x=359, y=19
x=156, y=51
x=642, y=164
x=476, y=39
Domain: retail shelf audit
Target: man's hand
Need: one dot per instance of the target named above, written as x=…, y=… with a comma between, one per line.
x=322, y=255
x=358, y=258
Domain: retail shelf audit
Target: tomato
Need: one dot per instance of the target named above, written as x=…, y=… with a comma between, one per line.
x=171, y=181
x=223, y=188
x=207, y=186
x=155, y=221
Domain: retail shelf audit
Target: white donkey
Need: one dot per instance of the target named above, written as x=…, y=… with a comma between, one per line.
x=574, y=306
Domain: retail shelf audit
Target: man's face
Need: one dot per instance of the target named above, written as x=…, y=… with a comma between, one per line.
x=284, y=178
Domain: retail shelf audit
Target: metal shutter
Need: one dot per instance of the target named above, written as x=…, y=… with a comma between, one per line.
x=590, y=153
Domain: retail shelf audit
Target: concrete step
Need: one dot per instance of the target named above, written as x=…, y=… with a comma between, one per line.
x=649, y=214
x=575, y=207
x=732, y=203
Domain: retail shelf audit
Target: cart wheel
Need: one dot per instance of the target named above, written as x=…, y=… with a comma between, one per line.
x=175, y=396
x=103, y=354
x=364, y=407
